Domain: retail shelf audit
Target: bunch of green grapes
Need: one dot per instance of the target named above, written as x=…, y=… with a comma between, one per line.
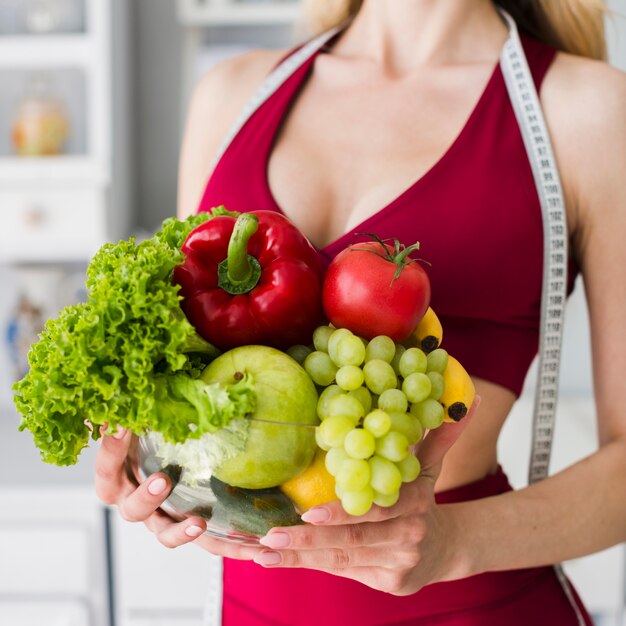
x=377, y=399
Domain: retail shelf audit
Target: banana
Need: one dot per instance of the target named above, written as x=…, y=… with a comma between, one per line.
x=429, y=332
x=458, y=393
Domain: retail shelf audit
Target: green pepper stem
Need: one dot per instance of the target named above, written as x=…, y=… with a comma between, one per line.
x=239, y=272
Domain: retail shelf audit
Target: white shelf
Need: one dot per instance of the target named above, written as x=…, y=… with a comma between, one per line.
x=29, y=51
x=58, y=169
x=221, y=12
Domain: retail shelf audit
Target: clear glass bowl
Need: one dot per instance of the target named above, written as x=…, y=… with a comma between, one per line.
x=232, y=513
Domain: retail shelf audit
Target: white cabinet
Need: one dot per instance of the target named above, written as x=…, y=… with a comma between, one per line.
x=63, y=74
x=156, y=586
x=53, y=558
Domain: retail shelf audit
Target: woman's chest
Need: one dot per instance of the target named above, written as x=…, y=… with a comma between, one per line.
x=343, y=154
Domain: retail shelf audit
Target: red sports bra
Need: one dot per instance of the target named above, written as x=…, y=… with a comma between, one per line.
x=476, y=214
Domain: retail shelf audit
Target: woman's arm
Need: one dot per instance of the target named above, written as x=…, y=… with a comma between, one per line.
x=215, y=104
x=582, y=509
x=578, y=511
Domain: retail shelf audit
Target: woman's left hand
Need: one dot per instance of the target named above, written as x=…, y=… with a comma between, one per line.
x=397, y=549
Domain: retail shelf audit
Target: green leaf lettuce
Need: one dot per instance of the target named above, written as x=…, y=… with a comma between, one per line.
x=127, y=357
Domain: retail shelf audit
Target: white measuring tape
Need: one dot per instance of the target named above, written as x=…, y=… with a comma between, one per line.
x=527, y=108
x=525, y=102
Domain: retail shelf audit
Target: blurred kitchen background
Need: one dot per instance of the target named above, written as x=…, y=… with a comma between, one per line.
x=93, y=95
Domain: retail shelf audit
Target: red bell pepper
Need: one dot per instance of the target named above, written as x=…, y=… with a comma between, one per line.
x=251, y=279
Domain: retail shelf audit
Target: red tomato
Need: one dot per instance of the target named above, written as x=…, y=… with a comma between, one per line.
x=375, y=289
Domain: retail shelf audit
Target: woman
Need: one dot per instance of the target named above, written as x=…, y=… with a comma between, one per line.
x=402, y=122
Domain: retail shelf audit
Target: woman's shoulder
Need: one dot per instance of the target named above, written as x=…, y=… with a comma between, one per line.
x=217, y=100
x=584, y=101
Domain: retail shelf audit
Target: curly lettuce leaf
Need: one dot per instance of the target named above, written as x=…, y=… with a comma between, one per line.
x=110, y=360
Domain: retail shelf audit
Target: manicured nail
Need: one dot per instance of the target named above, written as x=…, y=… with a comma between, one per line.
x=120, y=433
x=268, y=558
x=193, y=531
x=316, y=515
x=157, y=486
x=275, y=540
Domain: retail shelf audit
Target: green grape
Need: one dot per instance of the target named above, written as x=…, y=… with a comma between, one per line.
x=346, y=406
x=385, y=476
x=349, y=350
x=413, y=360
x=359, y=443
x=386, y=500
x=393, y=446
x=357, y=502
x=416, y=387
x=334, y=339
x=299, y=353
x=320, y=368
x=437, y=361
x=409, y=468
x=333, y=430
x=326, y=396
x=320, y=443
x=363, y=395
x=321, y=335
x=395, y=362
x=379, y=376
x=380, y=347
x=353, y=474
x=408, y=425
x=334, y=458
x=393, y=400
x=349, y=377
x=377, y=422
x=429, y=413
x=437, y=385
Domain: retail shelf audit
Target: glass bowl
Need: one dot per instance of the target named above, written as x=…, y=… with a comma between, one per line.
x=233, y=513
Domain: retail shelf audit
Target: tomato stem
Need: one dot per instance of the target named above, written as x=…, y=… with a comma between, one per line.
x=399, y=256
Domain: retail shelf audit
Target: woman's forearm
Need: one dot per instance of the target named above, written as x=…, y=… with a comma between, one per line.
x=576, y=512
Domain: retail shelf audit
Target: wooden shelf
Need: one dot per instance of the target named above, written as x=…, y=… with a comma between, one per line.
x=30, y=51
x=207, y=13
x=52, y=170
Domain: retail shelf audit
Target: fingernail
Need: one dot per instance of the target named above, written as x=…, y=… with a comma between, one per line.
x=120, y=433
x=275, y=540
x=316, y=515
x=157, y=486
x=193, y=531
x=268, y=558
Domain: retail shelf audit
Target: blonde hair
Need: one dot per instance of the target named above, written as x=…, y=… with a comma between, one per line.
x=574, y=26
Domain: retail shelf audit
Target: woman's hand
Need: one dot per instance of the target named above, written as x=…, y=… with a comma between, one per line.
x=140, y=502
x=397, y=550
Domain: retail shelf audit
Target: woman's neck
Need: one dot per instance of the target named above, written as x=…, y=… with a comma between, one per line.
x=404, y=34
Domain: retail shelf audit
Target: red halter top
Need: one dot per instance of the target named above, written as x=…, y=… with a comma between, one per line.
x=475, y=212
x=477, y=216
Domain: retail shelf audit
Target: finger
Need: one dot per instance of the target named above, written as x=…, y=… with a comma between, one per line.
x=379, y=578
x=437, y=442
x=333, y=558
x=173, y=534
x=407, y=530
x=111, y=482
x=332, y=513
x=141, y=502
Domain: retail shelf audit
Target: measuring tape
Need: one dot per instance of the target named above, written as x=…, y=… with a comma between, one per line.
x=527, y=108
x=525, y=102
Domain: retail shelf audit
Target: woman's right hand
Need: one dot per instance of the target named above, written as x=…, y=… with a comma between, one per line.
x=140, y=502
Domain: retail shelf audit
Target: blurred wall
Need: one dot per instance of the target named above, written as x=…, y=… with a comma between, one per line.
x=157, y=67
